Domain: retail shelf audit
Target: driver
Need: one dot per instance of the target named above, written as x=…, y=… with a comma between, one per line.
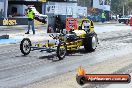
x=85, y=25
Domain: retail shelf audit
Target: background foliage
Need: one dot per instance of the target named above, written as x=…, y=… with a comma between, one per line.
x=117, y=6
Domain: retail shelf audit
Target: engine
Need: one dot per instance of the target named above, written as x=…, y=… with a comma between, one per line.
x=70, y=37
x=80, y=33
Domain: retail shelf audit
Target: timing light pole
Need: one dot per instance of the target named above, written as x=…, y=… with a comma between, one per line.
x=5, y=8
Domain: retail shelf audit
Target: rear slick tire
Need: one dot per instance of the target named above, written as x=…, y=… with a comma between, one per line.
x=90, y=43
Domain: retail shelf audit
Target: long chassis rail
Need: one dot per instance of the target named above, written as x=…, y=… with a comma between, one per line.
x=43, y=49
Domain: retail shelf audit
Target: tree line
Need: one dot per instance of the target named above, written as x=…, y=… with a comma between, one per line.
x=118, y=5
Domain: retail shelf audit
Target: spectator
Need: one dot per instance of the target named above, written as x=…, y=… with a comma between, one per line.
x=58, y=24
x=31, y=17
x=103, y=17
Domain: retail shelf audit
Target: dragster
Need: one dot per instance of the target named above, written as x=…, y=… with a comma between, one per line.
x=65, y=42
